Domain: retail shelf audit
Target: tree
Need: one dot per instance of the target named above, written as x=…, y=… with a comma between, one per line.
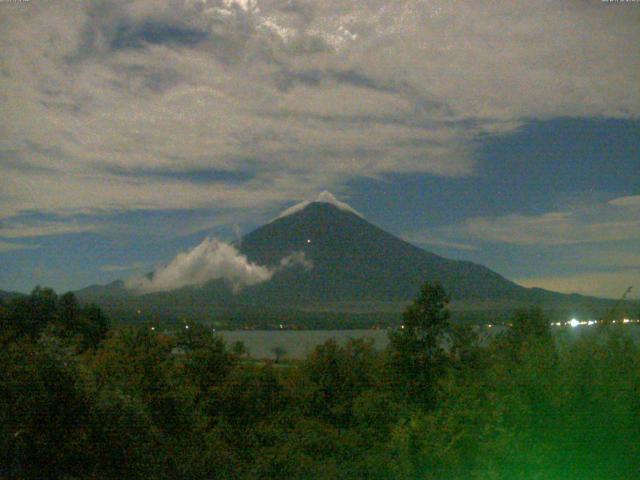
x=124, y=442
x=245, y=402
x=62, y=316
x=139, y=363
x=208, y=363
x=529, y=325
x=417, y=348
x=93, y=327
x=279, y=352
x=466, y=351
x=239, y=349
x=29, y=316
x=88, y=324
x=43, y=413
x=332, y=377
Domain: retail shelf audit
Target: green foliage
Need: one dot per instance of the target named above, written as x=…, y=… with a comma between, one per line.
x=207, y=363
x=126, y=442
x=442, y=403
x=279, y=352
x=529, y=326
x=249, y=396
x=531, y=410
x=334, y=376
x=30, y=316
x=418, y=348
x=43, y=412
x=239, y=349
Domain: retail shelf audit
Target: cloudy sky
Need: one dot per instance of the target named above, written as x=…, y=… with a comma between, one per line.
x=503, y=132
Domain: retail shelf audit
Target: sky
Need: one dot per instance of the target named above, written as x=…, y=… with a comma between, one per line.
x=502, y=132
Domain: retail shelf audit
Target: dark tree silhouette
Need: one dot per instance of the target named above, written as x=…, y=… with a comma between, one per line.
x=417, y=348
x=279, y=352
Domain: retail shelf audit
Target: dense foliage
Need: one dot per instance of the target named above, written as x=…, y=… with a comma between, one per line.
x=81, y=401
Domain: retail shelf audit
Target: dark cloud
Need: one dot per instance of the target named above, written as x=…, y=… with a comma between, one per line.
x=201, y=176
x=138, y=36
x=287, y=79
x=18, y=160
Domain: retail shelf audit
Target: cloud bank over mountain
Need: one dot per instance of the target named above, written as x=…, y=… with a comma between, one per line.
x=211, y=260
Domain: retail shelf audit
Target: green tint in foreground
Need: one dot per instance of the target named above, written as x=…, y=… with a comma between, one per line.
x=80, y=402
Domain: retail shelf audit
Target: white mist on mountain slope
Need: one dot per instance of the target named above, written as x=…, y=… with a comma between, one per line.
x=324, y=197
x=212, y=260
x=296, y=258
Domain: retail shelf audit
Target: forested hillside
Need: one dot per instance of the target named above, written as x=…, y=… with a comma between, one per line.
x=80, y=400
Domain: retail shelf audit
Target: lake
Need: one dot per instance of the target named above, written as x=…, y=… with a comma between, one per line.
x=299, y=343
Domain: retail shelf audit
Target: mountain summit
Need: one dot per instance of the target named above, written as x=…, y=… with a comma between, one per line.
x=324, y=197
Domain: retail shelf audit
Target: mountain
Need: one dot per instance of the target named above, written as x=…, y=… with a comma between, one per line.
x=356, y=266
x=354, y=260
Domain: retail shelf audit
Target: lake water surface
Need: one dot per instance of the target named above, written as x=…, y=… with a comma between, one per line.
x=299, y=343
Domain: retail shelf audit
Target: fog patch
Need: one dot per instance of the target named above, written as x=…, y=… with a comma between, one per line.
x=295, y=259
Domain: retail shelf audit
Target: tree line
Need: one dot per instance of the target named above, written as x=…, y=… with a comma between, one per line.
x=82, y=399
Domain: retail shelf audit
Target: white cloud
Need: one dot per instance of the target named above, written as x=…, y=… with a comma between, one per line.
x=604, y=284
x=245, y=5
x=632, y=201
x=585, y=224
x=599, y=240
x=554, y=228
x=20, y=229
x=296, y=259
x=211, y=260
x=428, y=239
x=12, y=247
x=123, y=268
x=106, y=103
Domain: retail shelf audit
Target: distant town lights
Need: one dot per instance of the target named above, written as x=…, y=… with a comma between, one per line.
x=574, y=323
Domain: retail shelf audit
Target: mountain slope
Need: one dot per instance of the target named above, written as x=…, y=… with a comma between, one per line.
x=354, y=260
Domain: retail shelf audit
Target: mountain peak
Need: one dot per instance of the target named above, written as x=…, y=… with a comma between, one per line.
x=323, y=197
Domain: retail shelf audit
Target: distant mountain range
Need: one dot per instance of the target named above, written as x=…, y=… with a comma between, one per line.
x=356, y=267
